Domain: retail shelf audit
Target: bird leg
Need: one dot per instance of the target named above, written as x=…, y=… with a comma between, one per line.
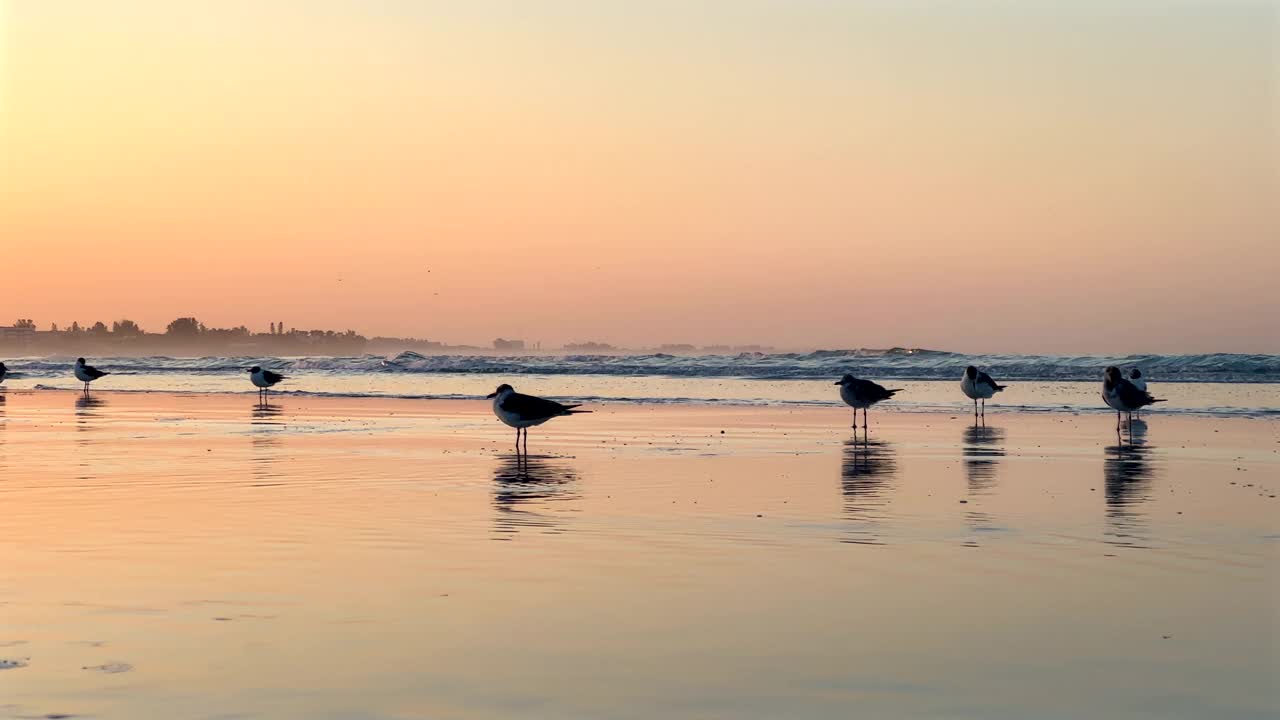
x=984, y=407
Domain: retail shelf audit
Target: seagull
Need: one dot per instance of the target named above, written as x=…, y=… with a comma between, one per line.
x=862, y=394
x=1122, y=395
x=524, y=411
x=263, y=379
x=978, y=386
x=87, y=373
x=1135, y=377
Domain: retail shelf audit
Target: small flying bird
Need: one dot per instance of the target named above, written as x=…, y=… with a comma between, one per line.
x=263, y=379
x=1122, y=395
x=87, y=373
x=862, y=394
x=524, y=411
x=978, y=385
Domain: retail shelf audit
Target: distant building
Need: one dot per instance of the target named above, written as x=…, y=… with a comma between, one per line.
x=501, y=344
x=589, y=347
x=18, y=334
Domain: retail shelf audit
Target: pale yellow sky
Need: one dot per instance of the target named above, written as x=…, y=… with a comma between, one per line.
x=976, y=176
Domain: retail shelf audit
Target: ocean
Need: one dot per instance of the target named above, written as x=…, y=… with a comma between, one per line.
x=1213, y=384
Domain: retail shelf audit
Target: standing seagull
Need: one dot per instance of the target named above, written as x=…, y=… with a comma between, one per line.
x=87, y=373
x=524, y=411
x=263, y=379
x=862, y=394
x=1122, y=395
x=978, y=386
x=1135, y=377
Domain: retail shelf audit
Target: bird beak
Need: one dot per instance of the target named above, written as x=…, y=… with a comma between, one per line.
x=491, y=395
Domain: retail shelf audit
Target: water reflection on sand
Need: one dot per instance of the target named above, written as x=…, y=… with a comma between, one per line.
x=526, y=491
x=267, y=429
x=866, y=469
x=1127, y=474
x=982, y=447
x=88, y=419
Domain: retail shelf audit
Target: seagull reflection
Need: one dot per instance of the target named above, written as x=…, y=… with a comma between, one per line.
x=525, y=487
x=263, y=411
x=87, y=414
x=982, y=449
x=265, y=439
x=89, y=405
x=87, y=409
x=1127, y=474
x=865, y=472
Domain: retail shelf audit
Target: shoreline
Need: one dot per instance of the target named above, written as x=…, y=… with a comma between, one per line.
x=898, y=406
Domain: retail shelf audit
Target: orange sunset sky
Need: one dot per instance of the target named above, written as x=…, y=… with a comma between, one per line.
x=1080, y=176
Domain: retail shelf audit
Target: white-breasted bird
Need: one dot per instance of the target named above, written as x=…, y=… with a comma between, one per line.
x=87, y=373
x=1135, y=377
x=1123, y=396
x=525, y=411
x=978, y=385
x=862, y=394
x=263, y=379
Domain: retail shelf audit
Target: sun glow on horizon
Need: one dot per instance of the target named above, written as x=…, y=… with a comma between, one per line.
x=1041, y=178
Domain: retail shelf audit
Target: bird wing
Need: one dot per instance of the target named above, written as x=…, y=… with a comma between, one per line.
x=1131, y=396
x=529, y=406
x=872, y=391
x=985, y=379
x=94, y=372
x=271, y=377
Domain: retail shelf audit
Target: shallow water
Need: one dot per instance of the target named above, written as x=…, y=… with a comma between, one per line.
x=1200, y=398
x=207, y=556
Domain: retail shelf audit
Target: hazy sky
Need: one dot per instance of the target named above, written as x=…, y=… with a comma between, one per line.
x=1004, y=176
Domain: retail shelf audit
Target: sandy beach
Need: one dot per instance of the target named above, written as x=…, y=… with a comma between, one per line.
x=203, y=556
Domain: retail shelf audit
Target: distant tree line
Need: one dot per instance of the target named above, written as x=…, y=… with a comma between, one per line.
x=184, y=334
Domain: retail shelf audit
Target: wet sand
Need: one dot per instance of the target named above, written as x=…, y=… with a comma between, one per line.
x=201, y=556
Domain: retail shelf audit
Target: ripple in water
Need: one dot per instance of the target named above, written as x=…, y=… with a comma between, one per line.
x=525, y=491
